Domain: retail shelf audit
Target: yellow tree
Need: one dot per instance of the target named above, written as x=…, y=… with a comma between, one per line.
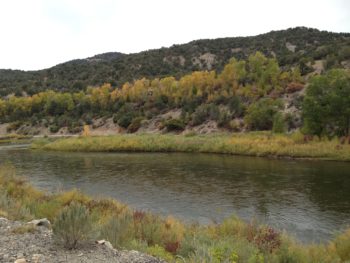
x=232, y=73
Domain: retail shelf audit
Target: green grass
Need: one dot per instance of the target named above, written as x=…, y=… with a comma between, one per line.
x=250, y=144
x=230, y=241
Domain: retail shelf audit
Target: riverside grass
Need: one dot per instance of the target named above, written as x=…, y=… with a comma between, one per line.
x=249, y=144
x=166, y=237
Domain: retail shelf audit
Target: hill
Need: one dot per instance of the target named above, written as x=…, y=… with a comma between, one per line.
x=308, y=48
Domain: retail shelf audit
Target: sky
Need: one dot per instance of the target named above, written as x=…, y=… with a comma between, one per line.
x=37, y=34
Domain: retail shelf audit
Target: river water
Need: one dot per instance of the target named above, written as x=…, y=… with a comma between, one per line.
x=308, y=199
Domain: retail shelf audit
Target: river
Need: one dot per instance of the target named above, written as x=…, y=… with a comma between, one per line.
x=308, y=199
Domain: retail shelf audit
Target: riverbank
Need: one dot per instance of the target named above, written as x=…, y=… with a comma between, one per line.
x=230, y=241
x=262, y=144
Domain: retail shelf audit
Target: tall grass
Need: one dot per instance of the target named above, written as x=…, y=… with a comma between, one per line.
x=251, y=144
x=230, y=241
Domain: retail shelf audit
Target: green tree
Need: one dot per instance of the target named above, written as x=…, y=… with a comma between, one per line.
x=260, y=115
x=326, y=105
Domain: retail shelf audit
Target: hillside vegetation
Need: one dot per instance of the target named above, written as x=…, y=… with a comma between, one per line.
x=304, y=47
x=248, y=93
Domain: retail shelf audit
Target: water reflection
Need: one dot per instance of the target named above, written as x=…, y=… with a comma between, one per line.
x=307, y=198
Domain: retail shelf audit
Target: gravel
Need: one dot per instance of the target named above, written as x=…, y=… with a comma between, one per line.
x=39, y=247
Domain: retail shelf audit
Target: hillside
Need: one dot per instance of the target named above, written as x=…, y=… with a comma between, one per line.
x=310, y=49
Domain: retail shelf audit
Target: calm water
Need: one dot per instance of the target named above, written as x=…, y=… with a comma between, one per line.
x=309, y=199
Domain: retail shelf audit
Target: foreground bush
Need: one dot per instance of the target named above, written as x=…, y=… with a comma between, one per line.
x=72, y=226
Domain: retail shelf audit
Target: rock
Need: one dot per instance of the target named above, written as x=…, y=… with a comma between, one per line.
x=37, y=258
x=107, y=244
x=3, y=221
x=41, y=222
x=101, y=242
x=21, y=260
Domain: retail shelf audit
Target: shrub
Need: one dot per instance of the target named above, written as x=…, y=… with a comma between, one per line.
x=11, y=209
x=125, y=120
x=294, y=87
x=160, y=252
x=174, y=125
x=20, y=230
x=135, y=124
x=200, y=115
x=261, y=113
x=54, y=128
x=72, y=226
x=298, y=137
x=279, y=123
x=118, y=230
x=235, y=106
x=14, y=126
x=224, y=118
x=75, y=129
x=266, y=239
x=342, y=246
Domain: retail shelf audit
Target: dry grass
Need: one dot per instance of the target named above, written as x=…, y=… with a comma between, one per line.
x=250, y=144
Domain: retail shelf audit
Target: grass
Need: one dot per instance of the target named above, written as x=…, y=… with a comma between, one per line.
x=166, y=237
x=20, y=230
x=250, y=144
x=15, y=138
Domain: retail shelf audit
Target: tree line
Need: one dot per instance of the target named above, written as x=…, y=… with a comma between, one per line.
x=248, y=90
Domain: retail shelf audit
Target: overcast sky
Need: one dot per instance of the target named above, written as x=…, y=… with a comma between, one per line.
x=37, y=34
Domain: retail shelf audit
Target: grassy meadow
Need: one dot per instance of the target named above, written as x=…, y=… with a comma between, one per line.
x=166, y=237
x=249, y=144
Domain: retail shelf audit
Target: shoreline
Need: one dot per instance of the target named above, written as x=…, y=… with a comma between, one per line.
x=249, y=144
x=165, y=237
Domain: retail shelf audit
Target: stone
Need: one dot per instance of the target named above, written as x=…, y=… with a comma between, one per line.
x=41, y=222
x=37, y=258
x=21, y=260
x=107, y=244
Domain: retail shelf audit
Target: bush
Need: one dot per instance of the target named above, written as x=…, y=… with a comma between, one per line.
x=224, y=118
x=160, y=252
x=135, y=124
x=342, y=245
x=14, y=126
x=204, y=112
x=279, y=123
x=200, y=115
x=125, y=120
x=174, y=125
x=118, y=230
x=235, y=106
x=261, y=113
x=72, y=226
x=54, y=128
x=294, y=87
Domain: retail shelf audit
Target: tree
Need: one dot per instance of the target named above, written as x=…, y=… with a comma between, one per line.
x=326, y=105
x=260, y=115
